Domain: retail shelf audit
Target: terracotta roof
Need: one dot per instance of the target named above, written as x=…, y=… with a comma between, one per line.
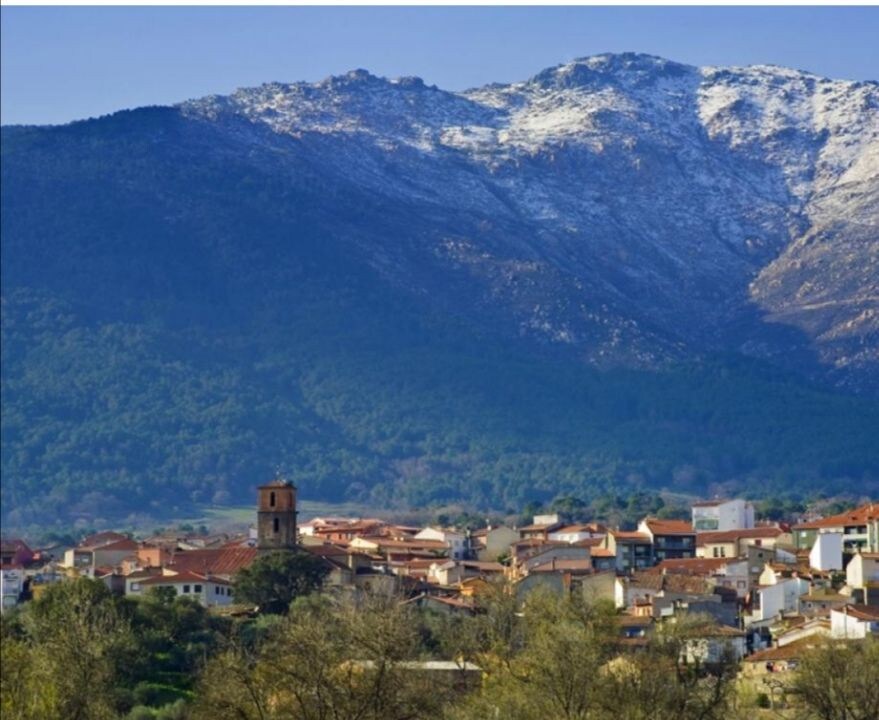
x=562, y=565
x=125, y=544
x=727, y=536
x=684, y=584
x=217, y=561
x=867, y=613
x=669, y=527
x=858, y=516
x=453, y=602
x=579, y=527
x=695, y=566
x=791, y=651
x=589, y=542
x=597, y=552
x=627, y=535
x=715, y=631
x=101, y=538
x=708, y=503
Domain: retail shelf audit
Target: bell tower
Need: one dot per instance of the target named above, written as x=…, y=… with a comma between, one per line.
x=276, y=515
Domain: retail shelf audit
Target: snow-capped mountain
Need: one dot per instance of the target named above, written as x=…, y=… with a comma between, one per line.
x=519, y=292
x=628, y=206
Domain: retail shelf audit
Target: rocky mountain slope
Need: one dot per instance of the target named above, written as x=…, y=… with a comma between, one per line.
x=629, y=206
x=622, y=274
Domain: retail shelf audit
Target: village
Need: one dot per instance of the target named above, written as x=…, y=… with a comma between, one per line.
x=770, y=590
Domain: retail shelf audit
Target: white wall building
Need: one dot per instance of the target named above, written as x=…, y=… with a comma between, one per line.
x=863, y=568
x=574, y=533
x=826, y=553
x=782, y=596
x=854, y=622
x=208, y=590
x=718, y=515
x=11, y=586
x=457, y=542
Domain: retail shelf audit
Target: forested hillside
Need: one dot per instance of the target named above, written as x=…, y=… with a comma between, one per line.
x=190, y=304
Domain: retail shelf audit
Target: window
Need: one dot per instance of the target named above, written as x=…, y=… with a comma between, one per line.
x=272, y=500
x=135, y=586
x=216, y=589
x=197, y=588
x=185, y=589
x=276, y=524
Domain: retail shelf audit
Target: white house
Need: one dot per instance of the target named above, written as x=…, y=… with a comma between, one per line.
x=826, y=553
x=209, y=590
x=575, y=533
x=446, y=572
x=719, y=515
x=456, y=542
x=776, y=595
x=854, y=622
x=862, y=569
x=11, y=586
x=713, y=645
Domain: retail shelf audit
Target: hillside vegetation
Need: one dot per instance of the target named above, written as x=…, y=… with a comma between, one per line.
x=182, y=315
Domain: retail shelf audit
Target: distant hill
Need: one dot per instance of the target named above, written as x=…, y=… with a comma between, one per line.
x=622, y=274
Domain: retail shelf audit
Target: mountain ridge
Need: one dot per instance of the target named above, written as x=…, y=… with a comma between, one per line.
x=634, y=280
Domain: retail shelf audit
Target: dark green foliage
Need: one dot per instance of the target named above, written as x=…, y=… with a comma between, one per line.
x=97, y=655
x=274, y=580
x=164, y=346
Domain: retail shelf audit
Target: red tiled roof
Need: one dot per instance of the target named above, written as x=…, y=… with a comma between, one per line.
x=694, y=566
x=791, y=651
x=867, y=613
x=729, y=536
x=125, y=544
x=102, y=538
x=669, y=527
x=602, y=552
x=589, y=542
x=217, y=561
x=627, y=535
x=857, y=516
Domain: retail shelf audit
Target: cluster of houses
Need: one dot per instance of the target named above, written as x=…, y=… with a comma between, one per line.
x=765, y=590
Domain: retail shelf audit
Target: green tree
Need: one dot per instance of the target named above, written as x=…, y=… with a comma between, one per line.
x=274, y=580
x=77, y=634
x=549, y=665
x=329, y=660
x=839, y=681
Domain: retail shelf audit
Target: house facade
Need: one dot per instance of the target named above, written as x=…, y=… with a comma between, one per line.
x=671, y=539
x=722, y=515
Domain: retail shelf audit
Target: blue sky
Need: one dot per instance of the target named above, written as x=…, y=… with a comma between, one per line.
x=65, y=63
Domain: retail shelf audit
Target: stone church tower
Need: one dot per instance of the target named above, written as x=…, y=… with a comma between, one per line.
x=276, y=516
